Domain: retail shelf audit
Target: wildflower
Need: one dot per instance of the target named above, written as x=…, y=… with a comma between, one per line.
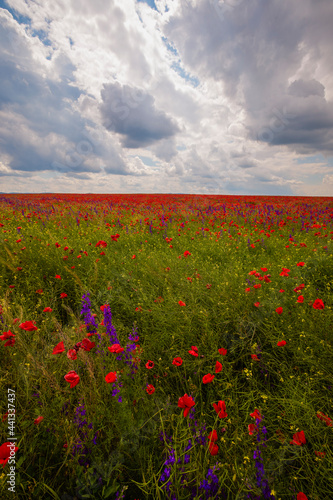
x=255, y=357
x=111, y=377
x=252, y=428
x=218, y=367
x=212, y=436
x=325, y=418
x=213, y=449
x=63, y=295
x=116, y=348
x=58, y=277
x=186, y=253
x=300, y=299
x=5, y=450
x=187, y=403
x=59, y=348
x=47, y=309
x=38, y=420
x=318, y=304
x=177, y=361
x=279, y=310
x=7, y=336
x=256, y=414
x=194, y=351
x=208, y=378
x=220, y=409
x=301, y=264
x=150, y=364
x=257, y=304
x=223, y=351
x=301, y=496
x=73, y=378
x=281, y=343
x=28, y=326
x=181, y=303
x=298, y=438
x=71, y=354
x=150, y=389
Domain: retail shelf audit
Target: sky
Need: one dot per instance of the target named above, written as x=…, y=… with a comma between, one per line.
x=227, y=97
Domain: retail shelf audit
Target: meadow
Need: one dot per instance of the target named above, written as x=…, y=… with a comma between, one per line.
x=166, y=347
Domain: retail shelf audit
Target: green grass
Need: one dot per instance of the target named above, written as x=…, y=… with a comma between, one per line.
x=288, y=385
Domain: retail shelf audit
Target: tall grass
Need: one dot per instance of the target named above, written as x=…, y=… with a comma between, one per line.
x=188, y=279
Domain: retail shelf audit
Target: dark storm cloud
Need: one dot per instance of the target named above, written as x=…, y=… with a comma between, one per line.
x=131, y=113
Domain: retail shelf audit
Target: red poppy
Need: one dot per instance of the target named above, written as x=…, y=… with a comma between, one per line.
x=116, y=348
x=40, y=291
x=300, y=299
x=325, y=418
x=252, y=428
x=9, y=337
x=194, y=351
x=279, y=310
x=181, y=303
x=264, y=269
x=220, y=409
x=320, y=454
x=186, y=253
x=177, y=361
x=87, y=345
x=213, y=449
x=47, y=309
x=134, y=256
x=301, y=264
x=150, y=364
x=257, y=286
x=281, y=343
x=73, y=378
x=38, y=420
x=218, y=367
x=208, y=378
x=247, y=289
x=28, y=326
x=318, y=304
x=103, y=307
x=63, y=295
x=255, y=357
x=256, y=414
x=5, y=450
x=212, y=436
x=186, y=402
x=223, y=351
x=150, y=389
x=111, y=377
x=298, y=438
x=72, y=354
x=257, y=304
x=58, y=277
x=59, y=348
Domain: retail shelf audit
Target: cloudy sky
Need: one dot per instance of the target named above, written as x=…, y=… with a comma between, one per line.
x=167, y=96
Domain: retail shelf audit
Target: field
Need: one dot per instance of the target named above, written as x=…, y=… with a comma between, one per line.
x=166, y=347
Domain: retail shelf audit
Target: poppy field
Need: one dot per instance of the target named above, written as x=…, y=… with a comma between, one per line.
x=166, y=347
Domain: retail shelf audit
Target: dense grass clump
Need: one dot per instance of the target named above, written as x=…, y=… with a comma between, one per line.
x=166, y=346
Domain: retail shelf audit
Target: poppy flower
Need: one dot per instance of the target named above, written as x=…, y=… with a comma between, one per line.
x=301, y=264
x=186, y=253
x=320, y=454
x=298, y=438
x=58, y=277
x=218, y=367
x=177, y=361
x=207, y=378
x=181, y=303
x=134, y=256
x=318, y=304
x=40, y=291
x=255, y=357
x=72, y=354
x=252, y=428
x=59, y=348
x=300, y=299
x=116, y=348
x=186, y=402
x=256, y=414
x=257, y=304
x=38, y=420
x=264, y=269
x=194, y=351
x=212, y=436
x=279, y=310
x=247, y=290
x=28, y=326
x=220, y=409
x=111, y=377
x=63, y=295
x=325, y=418
x=47, y=309
x=213, y=449
x=5, y=450
x=73, y=378
x=9, y=337
x=281, y=343
x=223, y=351
x=150, y=364
x=150, y=389
x=87, y=345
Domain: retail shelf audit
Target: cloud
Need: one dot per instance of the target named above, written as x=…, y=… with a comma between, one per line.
x=131, y=113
